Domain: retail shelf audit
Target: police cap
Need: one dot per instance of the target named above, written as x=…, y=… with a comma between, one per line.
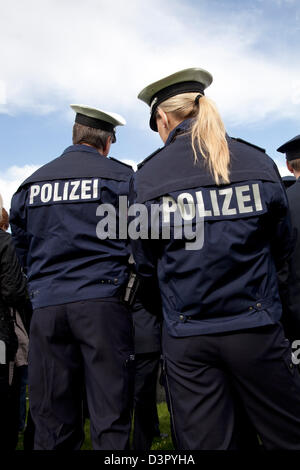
x=184, y=81
x=97, y=118
x=291, y=148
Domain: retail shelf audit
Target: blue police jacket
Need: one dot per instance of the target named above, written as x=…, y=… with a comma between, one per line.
x=54, y=220
x=291, y=298
x=227, y=280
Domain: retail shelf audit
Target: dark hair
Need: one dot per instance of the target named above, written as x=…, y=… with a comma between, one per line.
x=95, y=137
x=295, y=164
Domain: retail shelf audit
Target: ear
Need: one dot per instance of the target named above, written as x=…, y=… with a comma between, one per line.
x=289, y=167
x=106, y=149
x=163, y=116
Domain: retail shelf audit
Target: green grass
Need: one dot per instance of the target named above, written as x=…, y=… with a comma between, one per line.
x=164, y=424
x=158, y=443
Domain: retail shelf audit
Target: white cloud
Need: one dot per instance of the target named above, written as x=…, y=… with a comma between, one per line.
x=11, y=179
x=282, y=167
x=103, y=53
x=2, y=93
x=283, y=170
x=296, y=91
x=130, y=162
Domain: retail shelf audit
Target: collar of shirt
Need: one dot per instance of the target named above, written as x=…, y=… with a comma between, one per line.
x=82, y=148
x=182, y=127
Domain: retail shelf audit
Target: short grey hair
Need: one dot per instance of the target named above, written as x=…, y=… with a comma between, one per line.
x=89, y=135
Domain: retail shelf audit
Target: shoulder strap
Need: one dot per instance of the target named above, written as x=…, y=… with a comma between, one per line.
x=119, y=161
x=248, y=143
x=149, y=157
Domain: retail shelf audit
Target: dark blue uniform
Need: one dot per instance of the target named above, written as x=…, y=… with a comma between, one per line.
x=54, y=221
x=81, y=331
x=291, y=273
x=147, y=342
x=219, y=293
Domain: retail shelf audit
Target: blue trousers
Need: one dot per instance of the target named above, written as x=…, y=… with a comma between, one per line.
x=205, y=374
x=74, y=347
x=146, y=422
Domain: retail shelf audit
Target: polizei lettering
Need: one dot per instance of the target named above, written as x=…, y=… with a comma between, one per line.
x=229, y=202
x=180, y=215
x=64, y=191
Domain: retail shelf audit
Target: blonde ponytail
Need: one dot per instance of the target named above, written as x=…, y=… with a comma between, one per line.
x=208, y=133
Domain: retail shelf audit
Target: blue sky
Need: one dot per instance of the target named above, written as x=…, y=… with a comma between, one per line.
x=57, y=52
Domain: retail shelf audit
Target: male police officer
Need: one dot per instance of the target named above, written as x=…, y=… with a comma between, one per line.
x=81, y=331
x=292, y=299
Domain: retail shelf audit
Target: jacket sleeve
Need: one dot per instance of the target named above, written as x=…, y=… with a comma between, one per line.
x=281, y=233
x=279, y=225
x=12, y=280
x=282, y=240
x=19, y=226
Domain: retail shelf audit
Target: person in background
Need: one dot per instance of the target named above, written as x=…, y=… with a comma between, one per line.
x=18, y=368
x=290, y=277
x=147, y=338
x=4, y=222
x=12, y=298
x=288, y=181
x=147, y=349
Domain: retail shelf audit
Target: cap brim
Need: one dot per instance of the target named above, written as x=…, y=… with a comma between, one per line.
x=291, y=145
x=186, y=75
x=112, y=118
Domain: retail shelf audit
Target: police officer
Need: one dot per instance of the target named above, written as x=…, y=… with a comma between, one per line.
x=81, y=331
x=147, y=348
x=292, y=288
x=221, y=230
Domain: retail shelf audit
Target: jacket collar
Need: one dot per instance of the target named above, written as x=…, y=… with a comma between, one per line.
x=82, y=148
x=180, y=129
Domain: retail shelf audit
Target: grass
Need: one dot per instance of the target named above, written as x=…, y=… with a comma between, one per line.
x=164, y=424
x=164, y=443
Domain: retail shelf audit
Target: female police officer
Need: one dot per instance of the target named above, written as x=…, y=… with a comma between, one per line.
x=219, y=292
